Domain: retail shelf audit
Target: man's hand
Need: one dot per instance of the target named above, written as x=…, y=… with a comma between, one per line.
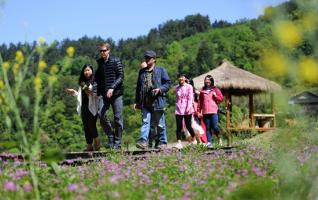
x=137, y=106
x=109, y=93
x=156, y=91
x=70, y=91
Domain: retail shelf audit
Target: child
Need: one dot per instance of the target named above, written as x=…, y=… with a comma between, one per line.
x=87, y=106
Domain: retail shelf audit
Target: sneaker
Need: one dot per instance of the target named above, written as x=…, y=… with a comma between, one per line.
x=209, y=145
x=178, y=146
x=161, y=146
x=141, y=145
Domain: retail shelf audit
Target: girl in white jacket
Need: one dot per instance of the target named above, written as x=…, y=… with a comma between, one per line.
x=87, y=106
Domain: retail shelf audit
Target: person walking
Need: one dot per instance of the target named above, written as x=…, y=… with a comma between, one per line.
x=87, y=106
x=184, y=109
x=152, y=85
x=109, y=78
x=209, y=98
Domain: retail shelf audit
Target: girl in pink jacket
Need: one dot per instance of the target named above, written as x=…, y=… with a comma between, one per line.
x=210, y=97
x=184, y=108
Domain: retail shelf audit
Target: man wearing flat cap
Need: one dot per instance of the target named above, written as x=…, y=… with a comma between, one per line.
x=152, y=85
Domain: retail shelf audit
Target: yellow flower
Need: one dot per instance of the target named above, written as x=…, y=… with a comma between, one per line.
x=70, y=51
x=6, y=66
x=37, y=83
x=275, y=63
x=1, y=85
x=41, y=40
x=19, y=57
x=288, y=34
x=39, y=49
x=42, y=65
x=15, y=68
x=52, y=79
x=54, y=69
x=309, y=69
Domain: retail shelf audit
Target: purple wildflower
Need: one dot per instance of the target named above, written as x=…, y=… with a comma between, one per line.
x=10, y=186
x=72, y=187
x=116, y=194
x=185, y=186
x=27, y=187
x=258, y=171
x=56, y=198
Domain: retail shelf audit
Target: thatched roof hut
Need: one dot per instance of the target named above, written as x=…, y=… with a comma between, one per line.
x=237, y=80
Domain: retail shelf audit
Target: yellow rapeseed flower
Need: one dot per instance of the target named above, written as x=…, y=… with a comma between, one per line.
x=275, y=63
x=19, y=57
x=42, y=65
x=288, y=33
x=15, y=68
x=54, y=69
x=6, y=66
x=52, y=78
x=70, y=51
x=37, y=83
x=309, y=69
x=41, y=40
x=1, y=85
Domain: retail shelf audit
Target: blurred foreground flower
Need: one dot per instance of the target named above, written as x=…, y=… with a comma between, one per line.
x=70, y=51
x=309, y=70
x=288, y=34
x=42, y=65
x=6, y=66
x=1, y=85
x=19, y=57
x=54, y=69
x=275, y=63
x=41, y=40
x=37, y=83
x=10, y=186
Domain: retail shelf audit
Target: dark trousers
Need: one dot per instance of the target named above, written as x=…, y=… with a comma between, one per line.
x=187, y=120
x=114, y=136
x=89, y=123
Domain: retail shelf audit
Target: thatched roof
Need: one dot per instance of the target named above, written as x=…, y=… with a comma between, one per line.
x=229, y=77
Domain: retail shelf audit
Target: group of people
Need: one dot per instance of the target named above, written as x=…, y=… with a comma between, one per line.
x=104, y=88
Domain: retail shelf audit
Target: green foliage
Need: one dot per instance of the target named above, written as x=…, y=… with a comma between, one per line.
x=260, y=188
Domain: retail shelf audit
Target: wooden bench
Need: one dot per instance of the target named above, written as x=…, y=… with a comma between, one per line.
x=264, y=121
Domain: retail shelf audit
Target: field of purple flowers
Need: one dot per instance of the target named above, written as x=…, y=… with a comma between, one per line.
x=278, y=165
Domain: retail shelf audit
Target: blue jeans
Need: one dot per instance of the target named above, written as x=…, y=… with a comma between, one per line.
x=211, y=122
x=155, y=119
x=114, y=137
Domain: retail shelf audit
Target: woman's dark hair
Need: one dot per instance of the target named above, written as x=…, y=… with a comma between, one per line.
x=211, y=79
x=82, y=77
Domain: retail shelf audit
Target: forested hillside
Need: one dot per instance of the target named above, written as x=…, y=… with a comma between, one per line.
x=193, y=45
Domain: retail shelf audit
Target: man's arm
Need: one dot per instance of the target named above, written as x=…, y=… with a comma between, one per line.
x=165, y=81
x=119, y=70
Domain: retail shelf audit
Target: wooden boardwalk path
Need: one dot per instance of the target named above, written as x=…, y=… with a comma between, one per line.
x=80, y=158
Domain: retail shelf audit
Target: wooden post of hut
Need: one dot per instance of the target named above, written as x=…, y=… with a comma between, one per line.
x=251, y=110
x=228, y=109
x=273, y=109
